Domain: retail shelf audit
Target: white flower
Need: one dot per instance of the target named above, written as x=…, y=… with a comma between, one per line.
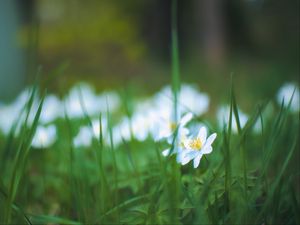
x=285, y=94
x=52, y=109
x=223, y=118
x=96, y=127
x=83, y=138
x=13, y=112
x=44, y=137
x=156, y=115
x=136, y=126
x=110, y=99
x=178, y=145
x=193, y=100
x=145, y=119
x=140, y=125
x=189, y=99
x=121, y=131
x=196, y=147
x=157, y=120
x=165, y=125
x=81, y=97
x=86, y=133
x=168, y=130
x=8, y=116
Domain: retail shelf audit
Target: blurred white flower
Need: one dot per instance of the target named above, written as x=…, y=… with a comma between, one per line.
x=82, y=97
x=83, y=138
x=139, y=126
x=8, y=115
x=44, y=137
x=195, y=147
x=52, y=109
x=14, y=112
x=285, y=94
x=189, y=99
x=145, y=119
x=223, y=118
x=193, y=100
x=165, y=125
x=86, y=133
x=96, y=127
x=121, y=131
x=156, y=115
x=110, y=99
x=178, y=145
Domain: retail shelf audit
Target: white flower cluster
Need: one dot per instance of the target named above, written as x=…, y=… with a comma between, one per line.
x=152, y=117
x=81, y=100
x=155, y=117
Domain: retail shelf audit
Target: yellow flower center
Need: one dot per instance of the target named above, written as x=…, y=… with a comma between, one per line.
x=195, y=144
x=172, y=126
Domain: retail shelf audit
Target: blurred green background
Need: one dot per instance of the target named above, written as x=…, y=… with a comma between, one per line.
x=127, y=43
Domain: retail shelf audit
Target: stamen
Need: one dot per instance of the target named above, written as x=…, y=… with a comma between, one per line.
x=195, y=144
x=172, y=125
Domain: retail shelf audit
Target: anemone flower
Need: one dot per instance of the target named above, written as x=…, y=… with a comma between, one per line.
x=44, y=137
x=195, y=147
x=286, y=92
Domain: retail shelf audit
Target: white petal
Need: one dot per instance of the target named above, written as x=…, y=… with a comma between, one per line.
x=186, y=143
x=170, y=139
x=192, y=154
x=206, y=150
x=185, y=160
x=166, y=152
x=186, y=118
x=197, y=160
x=210, y=139
x=180, y=156
x=202, y=134
x=183, y=157
x=165, y=132
x=183, y=132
